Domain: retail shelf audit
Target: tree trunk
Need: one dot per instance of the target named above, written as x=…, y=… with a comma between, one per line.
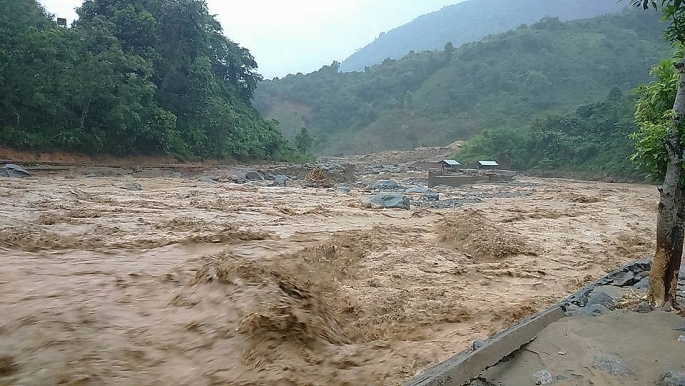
x=670, y=227
x=84, y=112
x=666, y=236
x=673, y=268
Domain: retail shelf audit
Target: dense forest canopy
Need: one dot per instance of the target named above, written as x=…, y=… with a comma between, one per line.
x=436, y=97
x=129, y=77
x=593, y=141
x=470, y=21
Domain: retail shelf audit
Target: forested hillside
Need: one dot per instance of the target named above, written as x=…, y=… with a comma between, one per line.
x=471, y=21
x=129, y=77
x=436, y=97
x=594, y=140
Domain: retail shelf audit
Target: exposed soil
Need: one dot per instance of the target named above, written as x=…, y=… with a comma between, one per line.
x=187, y=282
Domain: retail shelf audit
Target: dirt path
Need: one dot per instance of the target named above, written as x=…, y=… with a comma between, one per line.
x=187, y=282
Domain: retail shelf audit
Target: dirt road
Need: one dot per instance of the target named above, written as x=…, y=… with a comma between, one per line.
x=188, y=282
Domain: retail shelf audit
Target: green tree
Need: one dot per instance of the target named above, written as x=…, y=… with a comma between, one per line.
x=547, y=70
x=593, y=141
x=449, y=50
x=130, y=76
x=304, y=141
x=660, y=114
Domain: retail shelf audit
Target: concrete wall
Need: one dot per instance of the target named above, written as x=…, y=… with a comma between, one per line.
x=436, y=178
x=454, y=180
x=500, y=178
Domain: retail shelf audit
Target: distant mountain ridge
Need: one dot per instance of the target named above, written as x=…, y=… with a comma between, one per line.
x=471, y=21
x=431, y=98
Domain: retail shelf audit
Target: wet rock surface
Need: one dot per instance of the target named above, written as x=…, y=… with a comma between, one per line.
x=207, y=180
x=385, y=185
x=477, y=344
x=254, y=176
x=599, y=297
x=642, y=284
x=280, y=180
x=133, y=186
x=14, y=171
x=390, y=201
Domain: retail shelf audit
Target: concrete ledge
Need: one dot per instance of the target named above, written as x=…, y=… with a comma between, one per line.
x=463, y=367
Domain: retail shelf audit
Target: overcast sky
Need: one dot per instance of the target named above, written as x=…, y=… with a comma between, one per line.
x=290, y=36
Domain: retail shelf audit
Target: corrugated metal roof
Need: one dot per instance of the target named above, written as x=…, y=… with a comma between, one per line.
x=451, y=162
x=488, y=163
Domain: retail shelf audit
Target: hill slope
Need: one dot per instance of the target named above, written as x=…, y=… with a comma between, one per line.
x=435, y=97
x=471, y=21
x=134, y=77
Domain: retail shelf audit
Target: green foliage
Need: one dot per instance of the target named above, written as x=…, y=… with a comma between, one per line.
x=303, y=141
x=428, y=98
x=469, y=22
x=141, y=76
x=593, y=139
x=673, y=11
x=654, y=114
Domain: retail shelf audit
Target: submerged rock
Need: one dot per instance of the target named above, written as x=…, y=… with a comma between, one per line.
x=431, y=196
x=418, y=190
x=385, y=185
x=206, y=180
x=389, y=201
x=254, y=176
x=280, y=180
x=132, y=186
x=14, y=171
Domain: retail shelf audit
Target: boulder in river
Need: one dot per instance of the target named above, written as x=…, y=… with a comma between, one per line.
x=14, y=171
x=389, y=201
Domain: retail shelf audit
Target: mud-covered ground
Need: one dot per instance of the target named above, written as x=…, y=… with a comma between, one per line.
x=194, y=282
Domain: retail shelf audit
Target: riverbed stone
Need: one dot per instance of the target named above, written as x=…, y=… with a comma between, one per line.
x=389, y=201
x=254, y=176
x=384, y=185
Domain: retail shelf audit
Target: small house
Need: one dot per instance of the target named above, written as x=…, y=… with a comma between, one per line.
x=487, y=165
x=449, y=164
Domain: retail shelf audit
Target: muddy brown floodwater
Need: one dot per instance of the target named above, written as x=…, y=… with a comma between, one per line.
x=187, y=282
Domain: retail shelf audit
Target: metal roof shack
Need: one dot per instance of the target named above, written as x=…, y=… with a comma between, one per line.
x=449, y=164
x=487, y=165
